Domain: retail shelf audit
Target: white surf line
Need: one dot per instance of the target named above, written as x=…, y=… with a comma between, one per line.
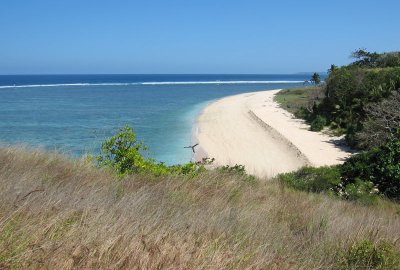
x=147, y=83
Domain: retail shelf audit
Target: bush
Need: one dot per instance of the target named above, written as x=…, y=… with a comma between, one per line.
x=236, y=169
x=361, y=191
x=328, y=179
x=124, y=154
x=382, y=121
x=349, y=89
x=367, y=255
x=239, y=170
x=318, y=123
x=380, y=166
x=322, y=179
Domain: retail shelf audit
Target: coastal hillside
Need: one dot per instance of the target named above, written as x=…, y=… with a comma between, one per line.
x=57, y=213
x=358, y=100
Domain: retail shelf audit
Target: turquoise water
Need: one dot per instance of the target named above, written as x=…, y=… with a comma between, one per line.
x=75, y=113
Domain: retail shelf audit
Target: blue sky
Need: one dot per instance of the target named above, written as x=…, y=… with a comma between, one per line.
x=219, y=36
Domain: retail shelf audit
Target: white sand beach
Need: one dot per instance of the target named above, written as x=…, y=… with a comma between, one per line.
x=252, y=130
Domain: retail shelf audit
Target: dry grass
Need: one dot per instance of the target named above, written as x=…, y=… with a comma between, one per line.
x=62, y=214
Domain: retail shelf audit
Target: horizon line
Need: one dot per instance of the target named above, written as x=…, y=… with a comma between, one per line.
x=55, y=74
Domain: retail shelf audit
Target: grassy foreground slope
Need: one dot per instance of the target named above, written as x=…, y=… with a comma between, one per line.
x=61, y=214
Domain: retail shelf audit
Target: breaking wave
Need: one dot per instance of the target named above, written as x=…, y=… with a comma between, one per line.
x=147, y=83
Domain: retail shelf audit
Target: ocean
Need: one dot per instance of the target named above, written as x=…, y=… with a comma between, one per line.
x=73, y=114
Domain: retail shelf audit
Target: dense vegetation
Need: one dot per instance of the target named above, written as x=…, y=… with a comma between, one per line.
x=374, y=59
x=379, y=166
x=359, y=92
x=361, y=101
x=364, y=177
x=348, y=92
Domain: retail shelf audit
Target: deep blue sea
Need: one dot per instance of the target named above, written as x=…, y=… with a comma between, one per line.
x=75, y=113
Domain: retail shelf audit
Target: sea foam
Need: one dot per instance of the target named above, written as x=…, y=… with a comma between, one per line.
x=147, y=83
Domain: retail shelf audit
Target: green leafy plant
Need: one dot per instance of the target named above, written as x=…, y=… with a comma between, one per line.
x=239, y=170
x=122, y=152
x=380, y=166
x=318, y=123
x=125, y=155
x=348, y=98
x=322, y=179
x=349, y=90
x=361, y=191
x=236, y=169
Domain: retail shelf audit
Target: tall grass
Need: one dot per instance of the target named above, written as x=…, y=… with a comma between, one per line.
x=62, y=214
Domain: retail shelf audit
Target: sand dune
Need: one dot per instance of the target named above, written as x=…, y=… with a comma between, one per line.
x=251, y=129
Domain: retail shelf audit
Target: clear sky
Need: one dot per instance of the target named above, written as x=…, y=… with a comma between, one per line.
x=188, y=36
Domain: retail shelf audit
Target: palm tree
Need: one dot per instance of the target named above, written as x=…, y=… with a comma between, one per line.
x=315, y=78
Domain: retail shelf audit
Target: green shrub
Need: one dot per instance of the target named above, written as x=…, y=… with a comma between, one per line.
x=236, y=169
x=301, y=113
x=349, y=89
x=328, y=179
x=190, y=169
x=124, y=154
x=380, y=166
x=347, y=92
x=239, y=170
x=318, y=123
x=367, y=255
x=322, y=179
x=361, y=191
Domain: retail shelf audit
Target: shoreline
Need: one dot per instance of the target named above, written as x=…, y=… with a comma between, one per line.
x=200, y=152
x=251, y=129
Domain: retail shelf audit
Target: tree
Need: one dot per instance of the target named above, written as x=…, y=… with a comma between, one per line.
x=332, y=68
x=122, y=152
x=365, y=58
x=390, y=59
x=315, y=95
x=315, y=78
x=380, y=166
x=360, y=54
x=382, y=121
